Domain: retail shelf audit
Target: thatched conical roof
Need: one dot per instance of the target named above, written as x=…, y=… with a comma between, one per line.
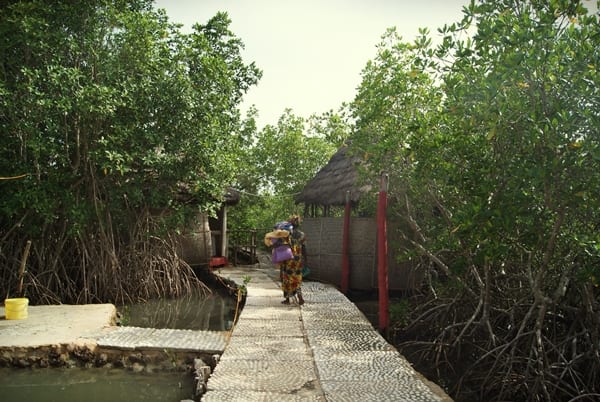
x=330, y=184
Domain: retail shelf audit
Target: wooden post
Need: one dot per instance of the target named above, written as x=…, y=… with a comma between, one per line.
x=22, y=268
x=382, y=265
x=345, y=282
x=253, y=259
x=224, y=233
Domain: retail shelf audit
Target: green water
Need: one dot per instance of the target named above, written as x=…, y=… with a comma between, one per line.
x=212, y=312
x=92, y=385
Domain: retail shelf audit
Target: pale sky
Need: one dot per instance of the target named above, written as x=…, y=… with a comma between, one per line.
x=312, y=52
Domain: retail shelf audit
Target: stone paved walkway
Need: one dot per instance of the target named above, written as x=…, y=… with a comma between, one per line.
x=325, y=350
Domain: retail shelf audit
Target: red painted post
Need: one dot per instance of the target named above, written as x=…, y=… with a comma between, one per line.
x=382, y=264
x=345, y=282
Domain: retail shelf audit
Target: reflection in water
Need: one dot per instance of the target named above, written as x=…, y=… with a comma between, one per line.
x=212, y=312
x=92, y=385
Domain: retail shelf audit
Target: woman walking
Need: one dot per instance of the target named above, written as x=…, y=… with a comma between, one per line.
x=290, y=270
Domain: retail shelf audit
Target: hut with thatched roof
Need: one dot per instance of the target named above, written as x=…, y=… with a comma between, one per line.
x=332, y=184
x=325, y=194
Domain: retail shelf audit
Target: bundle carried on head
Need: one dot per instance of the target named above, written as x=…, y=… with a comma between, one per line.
x=276, y=236
x=281, y=231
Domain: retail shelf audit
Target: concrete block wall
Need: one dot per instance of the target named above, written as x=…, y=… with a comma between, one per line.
x=324, y=251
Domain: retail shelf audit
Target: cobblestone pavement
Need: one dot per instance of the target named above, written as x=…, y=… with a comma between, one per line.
x=325, y=350
x=134, y=338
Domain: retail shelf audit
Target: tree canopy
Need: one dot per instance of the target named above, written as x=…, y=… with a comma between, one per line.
x=279, y=160
x=112, y=115
x=491, y=141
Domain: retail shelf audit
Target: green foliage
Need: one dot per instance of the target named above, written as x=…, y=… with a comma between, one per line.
x=396, y=106
x=515, y=165
x=111, y=111
x=491, y=142
x=276, y=164
x=334, y=127
x=400, y=312
x=243, y=288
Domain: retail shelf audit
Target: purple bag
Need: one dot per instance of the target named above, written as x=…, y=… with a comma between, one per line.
x=282, y=253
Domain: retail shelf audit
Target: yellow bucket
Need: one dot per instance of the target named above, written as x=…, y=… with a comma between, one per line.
x=16, y=309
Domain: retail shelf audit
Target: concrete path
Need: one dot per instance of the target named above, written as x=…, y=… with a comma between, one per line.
x=325, y=350
x=94, y=326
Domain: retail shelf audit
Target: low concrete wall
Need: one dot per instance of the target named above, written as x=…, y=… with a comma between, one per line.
x=88, y=356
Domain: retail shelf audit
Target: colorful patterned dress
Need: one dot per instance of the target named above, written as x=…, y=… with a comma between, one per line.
x=291, y=270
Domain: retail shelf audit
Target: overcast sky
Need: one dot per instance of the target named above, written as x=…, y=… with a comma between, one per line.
x=312, y=51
